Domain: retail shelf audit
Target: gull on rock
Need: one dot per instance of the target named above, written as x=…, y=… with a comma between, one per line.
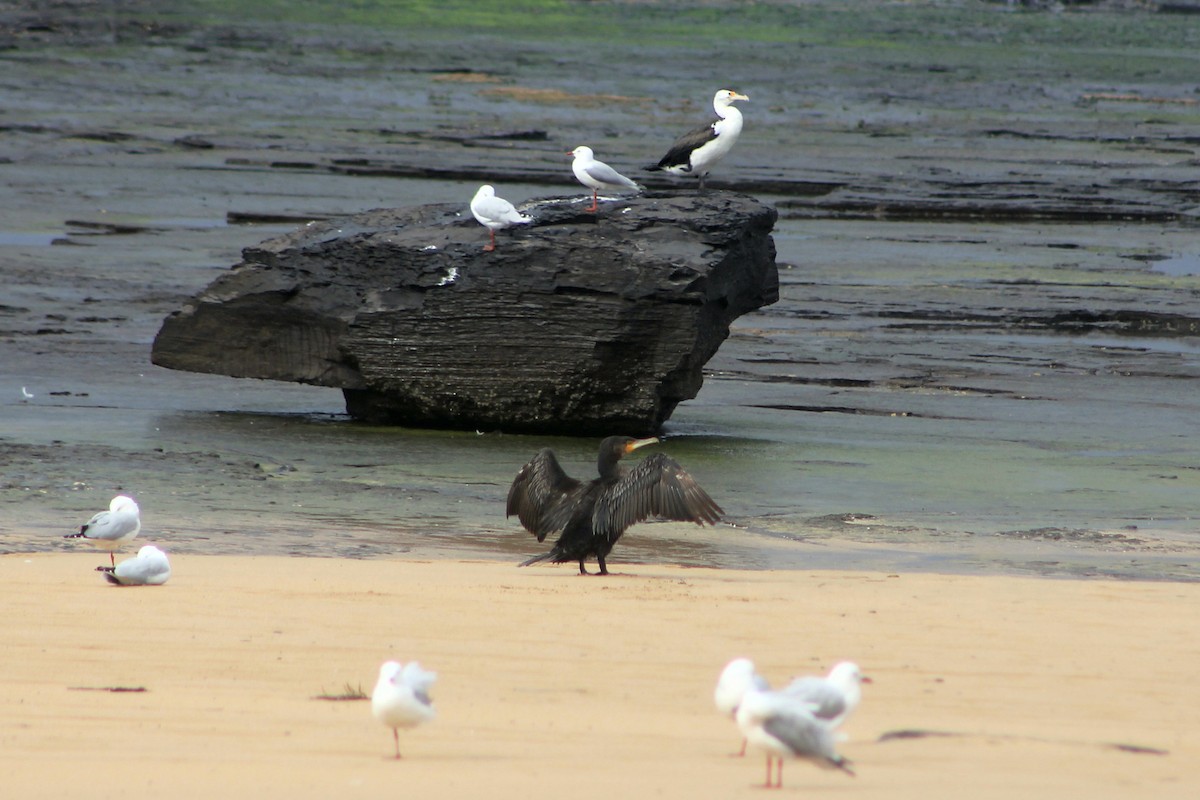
x=495, y=213
x=148, y=568
x=738, y=677
x=401, y=697
x=108, y=530
x=834, y=697
x=596, y=175
x=783, y=726
x=698, y=151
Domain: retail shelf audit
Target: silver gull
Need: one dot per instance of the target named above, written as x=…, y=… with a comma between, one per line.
x=149, y=567
x=495, y=213
x=108, y=530
x=401, y=697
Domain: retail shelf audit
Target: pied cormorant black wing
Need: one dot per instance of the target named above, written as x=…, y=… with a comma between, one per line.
x=680, y=154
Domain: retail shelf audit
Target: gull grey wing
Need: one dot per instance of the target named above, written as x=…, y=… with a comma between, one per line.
x=803, y=734
x=498, y=208
x=105, y=525
x=606, y=174
x=537, y=491
x=135, y=571
x=825, y=700
x=656, y=487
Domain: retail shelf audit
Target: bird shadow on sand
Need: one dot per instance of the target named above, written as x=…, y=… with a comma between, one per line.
x=348, y=693
x=914, y=733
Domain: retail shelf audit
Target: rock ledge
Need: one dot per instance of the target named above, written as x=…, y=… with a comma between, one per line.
x=579, y=323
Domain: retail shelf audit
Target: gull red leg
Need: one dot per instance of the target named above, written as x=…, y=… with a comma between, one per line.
x=595, y=205
x=491, y=245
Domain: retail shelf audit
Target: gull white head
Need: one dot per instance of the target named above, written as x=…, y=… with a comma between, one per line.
x=846, y=676
x=738, y=677
x=847, y=673
x=401, y=697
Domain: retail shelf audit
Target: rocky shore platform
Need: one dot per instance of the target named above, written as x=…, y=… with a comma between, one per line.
x=580, y=322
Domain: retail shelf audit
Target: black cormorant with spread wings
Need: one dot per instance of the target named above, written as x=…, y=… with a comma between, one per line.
x=593, y=515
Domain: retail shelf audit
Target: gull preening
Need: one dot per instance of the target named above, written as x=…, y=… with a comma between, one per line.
x=108, y=530
x=738, y=677
x=401, y=697
x=597, y=175
x=698, y=151
x=495, y=213
x=834, y=697
x=784, y=726
x=149, y=567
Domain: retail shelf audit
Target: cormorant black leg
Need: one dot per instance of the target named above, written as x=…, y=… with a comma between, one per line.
x=603, y=566
x=582, y=571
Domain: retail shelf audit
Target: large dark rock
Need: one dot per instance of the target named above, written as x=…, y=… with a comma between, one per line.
x=578, y=323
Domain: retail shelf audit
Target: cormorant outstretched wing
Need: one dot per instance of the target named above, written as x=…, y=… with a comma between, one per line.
x=656, y=487
x=538, y=492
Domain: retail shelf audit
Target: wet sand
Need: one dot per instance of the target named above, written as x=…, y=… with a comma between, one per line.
x=556, y=685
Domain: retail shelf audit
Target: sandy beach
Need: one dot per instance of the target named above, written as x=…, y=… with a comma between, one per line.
x=555, y=685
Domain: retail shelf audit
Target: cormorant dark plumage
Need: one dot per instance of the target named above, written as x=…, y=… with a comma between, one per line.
x=593, y=515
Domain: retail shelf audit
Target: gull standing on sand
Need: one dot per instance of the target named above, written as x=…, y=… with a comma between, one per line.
x=495, y=213
x=148, y=568
x=738, y=677
x=597, y=175
x=401, y=697
x=698, y=151
x=784, y=727
x=832, y=698
x=108, y=530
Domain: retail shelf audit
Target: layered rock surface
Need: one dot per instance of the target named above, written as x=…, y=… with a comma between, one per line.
x=579, y=323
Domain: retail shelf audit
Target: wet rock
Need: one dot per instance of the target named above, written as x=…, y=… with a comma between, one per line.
x=579, y=323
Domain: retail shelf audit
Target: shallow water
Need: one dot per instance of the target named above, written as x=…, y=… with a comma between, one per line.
x=926, y=394
x=1179, y=265
x=811, y=432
